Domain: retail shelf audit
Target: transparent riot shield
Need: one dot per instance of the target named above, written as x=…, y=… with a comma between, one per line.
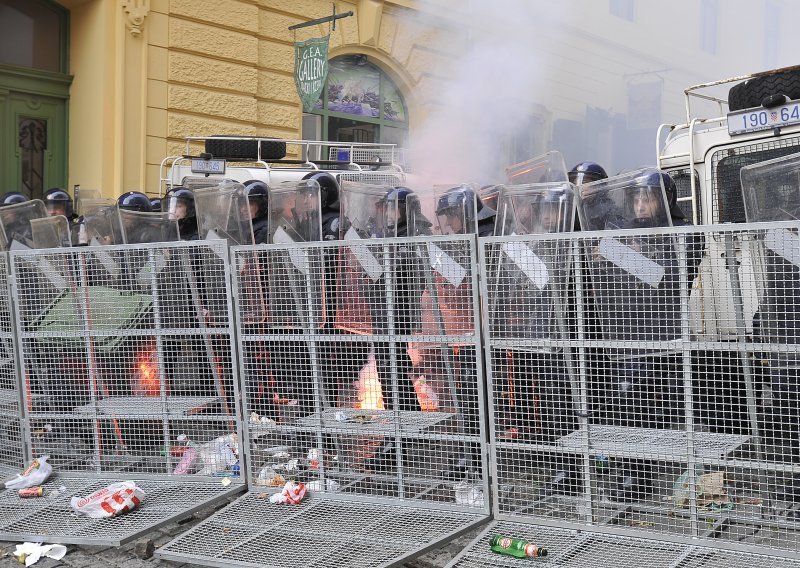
x=296, y=272
x=420, y=213
x=535, y=209
x=531, y=277
x=458, y=210
x=89, y=202
x=771, y=192
x=139, y=227
x=51, y=232
x=635, y=278
x=102, y=227
x=365, y=212
x=546, y=168
x=223, y=213
x=632, y=200
x=16, y=222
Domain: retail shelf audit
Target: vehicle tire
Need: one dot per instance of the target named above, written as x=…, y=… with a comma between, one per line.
x=246, y=150
x=750, y=93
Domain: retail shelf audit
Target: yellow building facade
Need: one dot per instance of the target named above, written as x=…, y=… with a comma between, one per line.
x=141, y=75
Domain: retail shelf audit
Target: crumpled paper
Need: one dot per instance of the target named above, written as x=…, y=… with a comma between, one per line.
x=31, y=552
x=291, y=494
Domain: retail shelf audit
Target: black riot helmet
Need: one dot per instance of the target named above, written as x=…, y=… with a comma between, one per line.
x=179, y=203
x=328, y=189
x=586, y=172
x=671, y=192
x=457, y=203
x=397, y=220
x=644, y=201
x=134, y=201
x=12, y=198
x=155, y=204
x=58, y=202
x=257, y=193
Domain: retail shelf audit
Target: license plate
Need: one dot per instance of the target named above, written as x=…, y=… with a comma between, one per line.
x=201, y=166
x=753, y=120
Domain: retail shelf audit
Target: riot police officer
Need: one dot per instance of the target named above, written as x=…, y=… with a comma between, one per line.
x=136, y=201
x=460, y=211
x=586, y=172
x=329, y=203
x=179, y=203
x=635, y=302
x=583, y=173
x=258, y=203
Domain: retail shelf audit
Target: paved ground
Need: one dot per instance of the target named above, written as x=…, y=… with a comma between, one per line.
x=130, y=555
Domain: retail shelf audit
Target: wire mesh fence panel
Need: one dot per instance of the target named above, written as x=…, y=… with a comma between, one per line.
x=362, y=380
x=11, y=444
x=130, y=371
x=372, y=380
x=661, y=401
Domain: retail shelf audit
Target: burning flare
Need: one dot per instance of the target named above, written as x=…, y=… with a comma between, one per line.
x=146, y=381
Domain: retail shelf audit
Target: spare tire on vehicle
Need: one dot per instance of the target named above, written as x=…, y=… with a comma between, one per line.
x=246, y=150
x=752, y=92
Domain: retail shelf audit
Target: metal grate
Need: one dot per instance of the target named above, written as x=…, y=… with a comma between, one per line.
x=353, y=378
x=388, y=155
x=607, y=408
x=588, y=549
x=379, y=177
x=317, y=533
x=128, y=359
x=683, y=182
x=360, y=369
x=727, y=206
x=50, y=518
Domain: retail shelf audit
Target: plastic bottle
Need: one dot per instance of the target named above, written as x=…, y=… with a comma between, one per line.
x=516, y=547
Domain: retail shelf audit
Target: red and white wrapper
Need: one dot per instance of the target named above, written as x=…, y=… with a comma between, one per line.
x=291, y=494
x=111, y=501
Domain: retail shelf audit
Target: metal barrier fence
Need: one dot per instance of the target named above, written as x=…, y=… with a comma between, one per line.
x=362, y=378
x=640, y=387
x=129, y=375
x=11, y=446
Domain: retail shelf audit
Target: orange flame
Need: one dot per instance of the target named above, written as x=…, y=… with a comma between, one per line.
x=368, y=387
x=146, y=380
x=370, y=394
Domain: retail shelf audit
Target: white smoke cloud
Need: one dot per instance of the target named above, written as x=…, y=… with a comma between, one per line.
x=493, y=86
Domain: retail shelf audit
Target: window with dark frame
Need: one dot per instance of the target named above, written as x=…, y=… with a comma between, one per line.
x=360, y=103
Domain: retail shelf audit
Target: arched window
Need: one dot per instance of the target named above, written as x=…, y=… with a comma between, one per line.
x=359, y=104
x=33, y=33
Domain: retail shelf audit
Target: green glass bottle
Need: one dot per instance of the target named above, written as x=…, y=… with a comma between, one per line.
x=516, y=547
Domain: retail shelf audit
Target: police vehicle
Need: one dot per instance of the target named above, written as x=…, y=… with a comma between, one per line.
x=757, y=118
x=207, y=160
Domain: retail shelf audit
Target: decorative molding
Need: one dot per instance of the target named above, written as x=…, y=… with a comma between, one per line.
x=369, y=21
x=135, y=11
